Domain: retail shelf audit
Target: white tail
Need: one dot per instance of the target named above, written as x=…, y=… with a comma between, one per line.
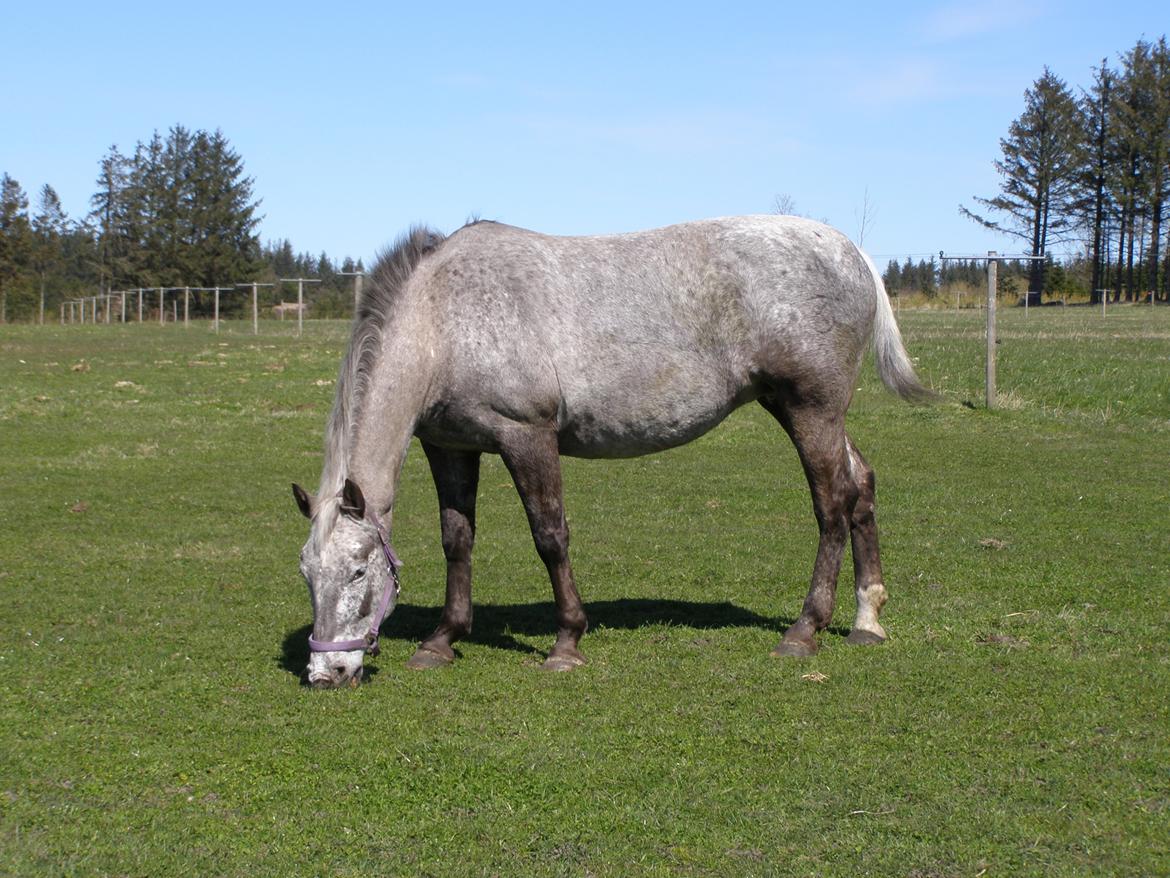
x=889, y=353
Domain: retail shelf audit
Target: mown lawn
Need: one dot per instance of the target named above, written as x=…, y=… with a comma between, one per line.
x=153, y=625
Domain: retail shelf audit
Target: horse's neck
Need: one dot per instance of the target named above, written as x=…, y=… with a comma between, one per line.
x=390, y=410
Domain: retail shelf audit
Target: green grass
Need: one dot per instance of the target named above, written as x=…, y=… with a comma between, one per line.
x=152, y=631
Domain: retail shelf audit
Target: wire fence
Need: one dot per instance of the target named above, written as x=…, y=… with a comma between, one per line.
x=164, y=305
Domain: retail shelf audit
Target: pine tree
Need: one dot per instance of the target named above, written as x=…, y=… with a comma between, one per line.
x=222, y=213
x=281, y=258
x=1098, y=123
x=49, y=227
x=151, y=194
x=111, y=218
x=1040, y=166
x=179, y=211
x=1145, y=122
x=1124, y=181
x=15, y=239
x=177, y=257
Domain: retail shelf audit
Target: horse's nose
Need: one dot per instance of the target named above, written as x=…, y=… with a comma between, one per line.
x=338, y=676
x=343, y=676
x=333, y=671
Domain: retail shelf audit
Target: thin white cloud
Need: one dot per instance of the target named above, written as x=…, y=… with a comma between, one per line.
x=918, y=78
x=464, y=80
x=966, y=20
x=905, y=81
x=698, y=130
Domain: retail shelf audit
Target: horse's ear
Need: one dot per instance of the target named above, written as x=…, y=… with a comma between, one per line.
x=304, y=500
x=353, y=503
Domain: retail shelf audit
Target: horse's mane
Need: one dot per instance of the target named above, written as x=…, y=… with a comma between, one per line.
x=390, y=273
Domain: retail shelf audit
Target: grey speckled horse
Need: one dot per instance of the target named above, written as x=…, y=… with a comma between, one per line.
x=501, y=340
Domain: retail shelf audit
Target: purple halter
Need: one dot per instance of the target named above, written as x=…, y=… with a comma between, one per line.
x=369, y=643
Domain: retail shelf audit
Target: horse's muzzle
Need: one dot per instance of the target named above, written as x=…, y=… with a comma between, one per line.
x=334, y=677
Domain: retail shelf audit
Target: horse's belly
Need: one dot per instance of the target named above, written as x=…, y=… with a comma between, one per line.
x=654, y=424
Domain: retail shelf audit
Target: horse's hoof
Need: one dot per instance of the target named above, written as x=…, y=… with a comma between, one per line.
x=795, y=648
x=861, y=637
x=562, y=663
x=426, y=659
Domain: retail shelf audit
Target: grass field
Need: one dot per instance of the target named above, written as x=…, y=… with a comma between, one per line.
x=153, y=625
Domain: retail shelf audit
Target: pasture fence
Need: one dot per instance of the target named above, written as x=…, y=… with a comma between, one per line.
x=300, y=282
x=111, y=306
x=101, y=307
x=993, y=259
x=357, y=286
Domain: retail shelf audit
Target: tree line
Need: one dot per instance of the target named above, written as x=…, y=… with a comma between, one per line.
x=177, y=211
x=931, y=278
x=1091, y=168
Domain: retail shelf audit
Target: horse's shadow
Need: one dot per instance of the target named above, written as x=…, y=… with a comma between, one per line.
x=497, y=624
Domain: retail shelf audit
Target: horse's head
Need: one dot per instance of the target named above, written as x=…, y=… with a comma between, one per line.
x=353, y=583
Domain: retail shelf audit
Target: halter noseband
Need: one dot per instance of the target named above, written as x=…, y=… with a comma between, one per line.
x=369, y=643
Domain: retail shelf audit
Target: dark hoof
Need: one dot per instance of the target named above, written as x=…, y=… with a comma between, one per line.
x=426, y=659
x=861, y=637
x=795, y=648
x=562, y=662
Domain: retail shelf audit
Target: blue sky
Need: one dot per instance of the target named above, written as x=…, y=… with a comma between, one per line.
x=359, y=119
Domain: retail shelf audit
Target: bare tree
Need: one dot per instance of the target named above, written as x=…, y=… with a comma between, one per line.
x=784, y=205
x=865, y=216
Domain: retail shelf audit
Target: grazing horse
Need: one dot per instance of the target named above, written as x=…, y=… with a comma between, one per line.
x=501, y=340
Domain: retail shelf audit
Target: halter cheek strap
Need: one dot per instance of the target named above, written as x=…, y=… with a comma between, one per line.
x=369, y=643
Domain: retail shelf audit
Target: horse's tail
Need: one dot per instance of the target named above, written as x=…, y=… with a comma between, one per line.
x=889, y=353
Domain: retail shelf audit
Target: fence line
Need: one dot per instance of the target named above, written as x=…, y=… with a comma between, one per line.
x=101, y=308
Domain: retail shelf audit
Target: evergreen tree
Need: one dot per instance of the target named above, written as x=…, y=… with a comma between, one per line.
x=1124, y=181
x=152, y=199
x=15, y=239
x=49, y=227
x=1145, y=123
x=1098, y=123
x=180, y=211
x=222, y=213
x=281, y=258
x=111, y=217
x=324, y=268
x=1040, y=167
x=176, y=256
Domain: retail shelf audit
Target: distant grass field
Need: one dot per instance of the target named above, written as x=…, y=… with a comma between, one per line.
x=153, y=625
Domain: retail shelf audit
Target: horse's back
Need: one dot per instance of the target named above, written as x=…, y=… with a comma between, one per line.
x=645, y=340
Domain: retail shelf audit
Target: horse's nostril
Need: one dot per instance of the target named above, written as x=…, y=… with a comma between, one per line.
x=340, y=671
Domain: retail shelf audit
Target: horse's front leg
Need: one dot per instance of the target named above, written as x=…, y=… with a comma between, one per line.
x=456, y=475
x=532, y=457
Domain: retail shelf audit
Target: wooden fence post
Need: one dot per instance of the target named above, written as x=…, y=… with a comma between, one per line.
x=992, y=264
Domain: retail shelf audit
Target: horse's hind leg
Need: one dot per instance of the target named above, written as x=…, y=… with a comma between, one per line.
x=532, y=457
x=819, y=435
x=456, y=475
x=867, y=564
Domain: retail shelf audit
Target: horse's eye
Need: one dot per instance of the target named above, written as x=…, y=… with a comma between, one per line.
x=358, y=574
